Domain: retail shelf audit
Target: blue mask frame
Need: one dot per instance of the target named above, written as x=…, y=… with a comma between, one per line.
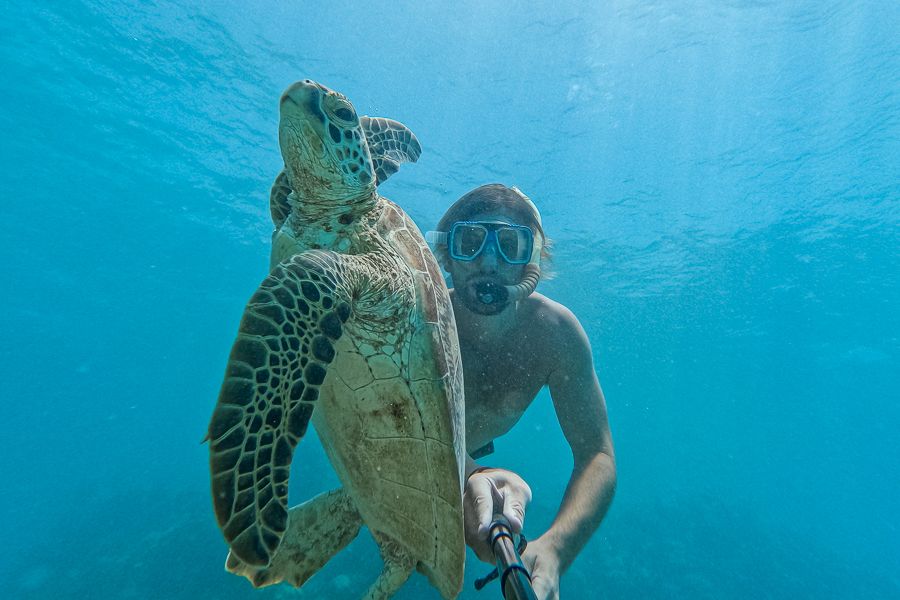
x=491, y=229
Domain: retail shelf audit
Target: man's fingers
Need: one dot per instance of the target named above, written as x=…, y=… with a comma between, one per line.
x=514, y=511
x=515, y=501
x=483, y=501
x=485, y=556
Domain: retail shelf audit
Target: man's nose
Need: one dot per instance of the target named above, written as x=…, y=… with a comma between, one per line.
x=489, y=259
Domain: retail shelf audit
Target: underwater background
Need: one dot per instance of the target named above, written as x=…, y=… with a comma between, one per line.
x=721, y=179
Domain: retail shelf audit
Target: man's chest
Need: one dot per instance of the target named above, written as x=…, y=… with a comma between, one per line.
x=499, y=385
x=500, y=371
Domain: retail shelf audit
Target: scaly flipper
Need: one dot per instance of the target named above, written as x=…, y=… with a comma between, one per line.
x=317, y=530
x=390, y=143
x=279, y=207
x=283, y=348
x=398, y=566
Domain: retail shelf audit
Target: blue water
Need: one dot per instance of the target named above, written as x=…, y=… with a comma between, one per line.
x=722, y=180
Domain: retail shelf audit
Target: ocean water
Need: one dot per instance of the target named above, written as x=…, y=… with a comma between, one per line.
x=721, y=179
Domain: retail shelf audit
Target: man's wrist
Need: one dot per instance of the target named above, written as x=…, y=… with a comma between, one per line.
x=469, y=468
x=477, y=469
x=551, y=543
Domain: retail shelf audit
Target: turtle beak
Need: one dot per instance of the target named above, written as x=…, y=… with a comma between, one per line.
x=302, y=101
x=302, y=93
x=302, y=121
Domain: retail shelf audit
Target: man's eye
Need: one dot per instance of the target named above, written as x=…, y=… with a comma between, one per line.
x=508, y=242
x=472, y=241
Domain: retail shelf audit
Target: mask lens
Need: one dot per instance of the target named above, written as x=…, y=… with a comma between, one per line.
x=515, y=244
x=467, y=240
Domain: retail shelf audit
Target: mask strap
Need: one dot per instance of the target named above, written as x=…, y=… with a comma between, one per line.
x=436, y=238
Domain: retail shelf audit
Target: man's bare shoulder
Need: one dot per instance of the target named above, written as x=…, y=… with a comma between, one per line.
x=554, y=320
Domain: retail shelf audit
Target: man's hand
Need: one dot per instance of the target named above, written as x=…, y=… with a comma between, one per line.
x=542, y=563
x=488, y=492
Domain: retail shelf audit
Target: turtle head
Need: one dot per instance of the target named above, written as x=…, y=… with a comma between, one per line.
x=325, y=152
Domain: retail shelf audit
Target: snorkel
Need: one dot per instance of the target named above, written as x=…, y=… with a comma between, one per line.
x=532, y=273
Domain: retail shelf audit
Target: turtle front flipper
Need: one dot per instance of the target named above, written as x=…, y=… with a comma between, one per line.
x=390, y=144
x=284, y=346
x=279, y=206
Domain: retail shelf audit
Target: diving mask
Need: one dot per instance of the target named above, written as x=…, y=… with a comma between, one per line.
x=467, y=240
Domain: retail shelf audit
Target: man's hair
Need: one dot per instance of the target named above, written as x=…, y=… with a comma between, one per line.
x=499, y=199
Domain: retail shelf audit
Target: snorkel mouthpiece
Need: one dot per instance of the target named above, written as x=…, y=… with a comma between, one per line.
x=485, y=296
x=489, y=292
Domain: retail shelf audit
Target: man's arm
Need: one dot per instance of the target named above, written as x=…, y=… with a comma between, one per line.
x=581, y=410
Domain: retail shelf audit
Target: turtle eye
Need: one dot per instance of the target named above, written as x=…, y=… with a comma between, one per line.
x=340, y=110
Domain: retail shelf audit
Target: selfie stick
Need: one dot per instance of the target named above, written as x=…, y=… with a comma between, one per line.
x=515, y=582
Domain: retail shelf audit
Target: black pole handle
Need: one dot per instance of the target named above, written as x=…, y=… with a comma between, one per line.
x=515, y=581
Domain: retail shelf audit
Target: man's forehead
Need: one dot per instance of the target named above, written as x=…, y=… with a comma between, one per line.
x=493, y=217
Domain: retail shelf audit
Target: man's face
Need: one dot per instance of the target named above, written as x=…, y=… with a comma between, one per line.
x=480, y=282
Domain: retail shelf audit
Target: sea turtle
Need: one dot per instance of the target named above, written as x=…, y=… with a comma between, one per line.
x=353, y=328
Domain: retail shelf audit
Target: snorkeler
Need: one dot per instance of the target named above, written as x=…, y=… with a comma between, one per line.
x=514, y=342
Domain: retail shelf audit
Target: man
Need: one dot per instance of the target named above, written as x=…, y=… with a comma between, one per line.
x=514, y=342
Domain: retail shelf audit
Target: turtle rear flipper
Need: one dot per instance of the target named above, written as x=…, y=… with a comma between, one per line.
x=277, y=364
x=317, y=530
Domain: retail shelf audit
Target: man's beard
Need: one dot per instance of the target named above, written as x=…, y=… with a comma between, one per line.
x=483, y=295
